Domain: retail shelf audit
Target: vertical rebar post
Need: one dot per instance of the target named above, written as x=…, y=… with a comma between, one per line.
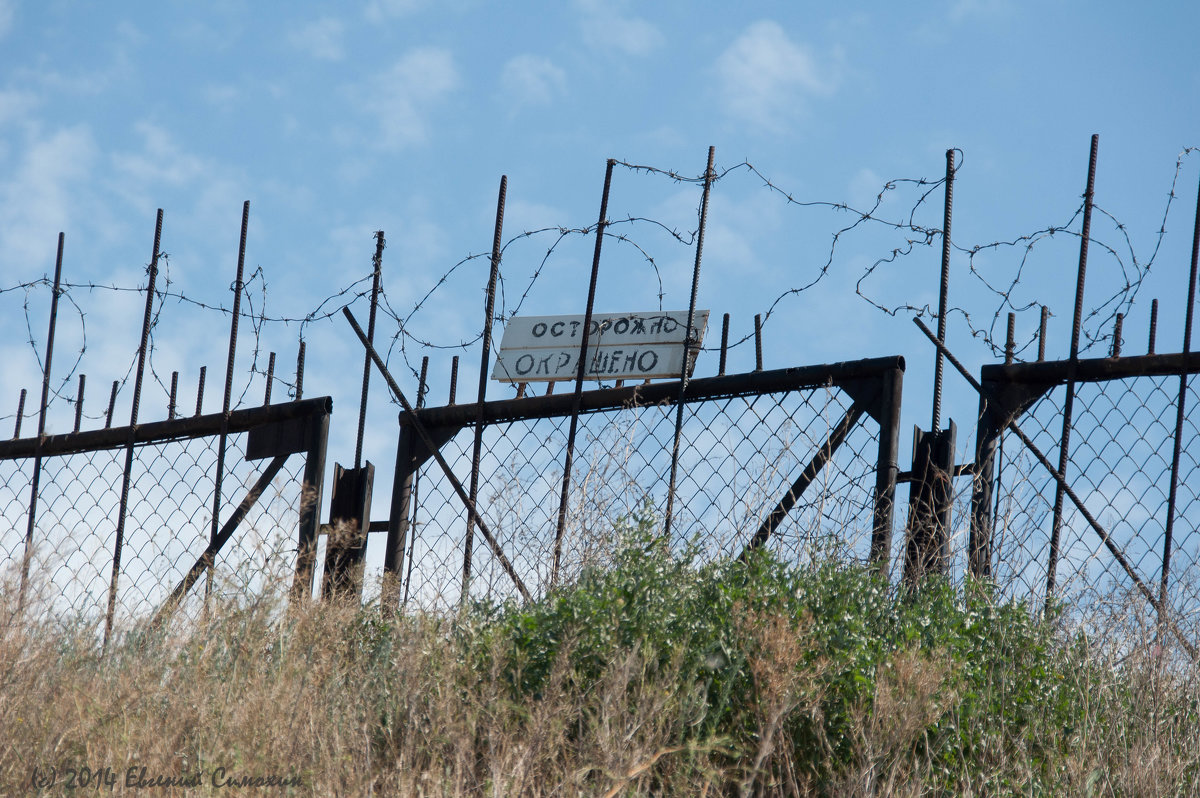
x=37, y=457
x=1010, y=341
x=422, y=392
x=944, y=293
x=758, y=360
x=1179, y=416
x=133, y=419
x=485, y=356
x=79, y=402
x=724, y=345
x=1042, y=333
x=1064, y=450
x=453, y=379
x=1153, y=327
x=579, y=372
x=270, y=379
x=223, y=439
x=199, y=389
x=20, y=413
x=112, y=403
x=376, y=277
x=173, y=396
x=300, y=372
x=1117, y=328
x=688, y=342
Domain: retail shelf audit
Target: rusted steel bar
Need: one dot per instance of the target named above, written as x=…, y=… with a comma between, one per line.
x=79, y=402
x=758, y=358
x=129, y=441
x=1042, y=333
x=688, y=343
x=223, y=438
x=20, y=413
x=423, y=433
x=300, y=371
x=1180, y=411
x=1010, y=342
x=174, y=394
x=376, y=277
x=944, y=292
x=112, y=403
x=576, y=397
x=199, y=390
x=1108, y=542
x=453, y=379
x=724, y=344
x=1153, y=326
x=485, y=356
x=1117, y=327
x=1064, y=450
x=37, y=458
x=270, y=379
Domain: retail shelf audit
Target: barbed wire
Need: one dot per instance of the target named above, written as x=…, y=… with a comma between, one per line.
x=1002, y=281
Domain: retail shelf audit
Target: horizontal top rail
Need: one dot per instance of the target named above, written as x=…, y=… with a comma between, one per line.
x=1098, y=369
x=661, y=393
x=169, y=430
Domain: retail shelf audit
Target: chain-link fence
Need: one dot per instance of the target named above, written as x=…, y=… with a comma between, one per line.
x=1120, y=464
x=739, y=456
x=69, y=553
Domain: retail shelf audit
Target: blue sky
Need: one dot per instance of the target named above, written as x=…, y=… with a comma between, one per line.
x=401, y=115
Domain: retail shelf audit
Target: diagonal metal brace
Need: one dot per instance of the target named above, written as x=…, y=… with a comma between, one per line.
x=210, y=554
x=819, y=460
x=1113, y=548
x=427, y=440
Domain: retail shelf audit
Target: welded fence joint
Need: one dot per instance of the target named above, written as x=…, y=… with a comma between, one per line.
x=927, y=550
x=349, y=520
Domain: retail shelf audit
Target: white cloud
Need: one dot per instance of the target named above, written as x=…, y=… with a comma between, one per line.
x=764, y=77
x=532, y=80
x=380, y=10
x=159, y=162
x=403, y=96
x=605, y=28
x=6, y=17
x=15, y=105
x=42, y=196
x=321, y=38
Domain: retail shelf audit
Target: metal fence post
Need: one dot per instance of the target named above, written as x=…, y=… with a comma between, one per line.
x=886, y=469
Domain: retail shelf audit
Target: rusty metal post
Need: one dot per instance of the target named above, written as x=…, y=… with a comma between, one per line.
x=928, y=549
x=1010, y=340
x=79, y=402
x=270, y=379
x=199, y=390
x=724, y=345
x=1153, y=327
x=133, y=420
x=223, y=439
x=1064, y=451
x=484, y=358
x=579, y=372
x=453, y=379
x=376, y=277
x=688, y=343
x=403, y=518
x=944, y=293
x=1179, y=415
x=21, y=413
x=1042, y=333
x=112, y=403
x=758, y=358
x=886, y=468
x=310, y=509
x=37, y=458
x=174, y=394
x=1116, y=344
x=300, y=372
x=989, y=451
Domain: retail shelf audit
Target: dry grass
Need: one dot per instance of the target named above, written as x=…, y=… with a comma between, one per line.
x=345, y=704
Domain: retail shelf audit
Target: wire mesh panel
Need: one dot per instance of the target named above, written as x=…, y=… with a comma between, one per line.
x=167, y=527
x=738, y=457
x=1123, y=434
